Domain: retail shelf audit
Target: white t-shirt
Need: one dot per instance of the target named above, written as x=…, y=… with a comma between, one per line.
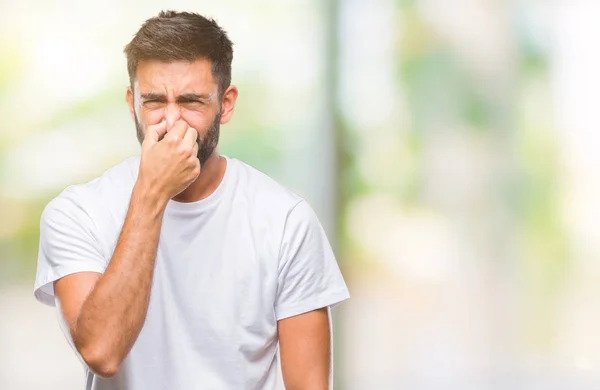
x=228, y=268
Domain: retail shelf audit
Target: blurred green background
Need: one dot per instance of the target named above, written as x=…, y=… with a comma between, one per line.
x=450, y=149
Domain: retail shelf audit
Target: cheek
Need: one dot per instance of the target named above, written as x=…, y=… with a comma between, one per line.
x=152, y=117
x=197, y=120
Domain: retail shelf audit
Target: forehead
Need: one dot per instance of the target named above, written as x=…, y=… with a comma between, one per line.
x=176, y=76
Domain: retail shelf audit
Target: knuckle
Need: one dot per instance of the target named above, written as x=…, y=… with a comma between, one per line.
x=185, y=150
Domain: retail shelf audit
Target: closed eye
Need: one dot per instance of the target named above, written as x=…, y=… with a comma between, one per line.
x=153, y=103
x=193, y=99
x=192, y=105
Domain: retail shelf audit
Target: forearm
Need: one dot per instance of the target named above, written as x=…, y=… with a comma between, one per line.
x=113, y=314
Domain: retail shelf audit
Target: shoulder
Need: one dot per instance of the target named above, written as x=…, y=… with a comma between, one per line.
x=262, y=191
x=83, y=199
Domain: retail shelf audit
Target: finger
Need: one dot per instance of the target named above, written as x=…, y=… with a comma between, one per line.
x=190, y=137
x=195, y=150
x=178, y=130
x=154, y=132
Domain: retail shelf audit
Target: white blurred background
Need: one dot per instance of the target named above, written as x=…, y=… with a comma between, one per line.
x=448, y=147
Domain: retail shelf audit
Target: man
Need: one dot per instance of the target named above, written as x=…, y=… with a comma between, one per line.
x=182, y=268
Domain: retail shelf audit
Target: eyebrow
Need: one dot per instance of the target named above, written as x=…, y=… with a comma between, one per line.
x=153, y=96
x=186, y=97
x=192, y=97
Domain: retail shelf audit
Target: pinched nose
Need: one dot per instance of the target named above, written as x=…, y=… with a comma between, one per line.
x=172, y=115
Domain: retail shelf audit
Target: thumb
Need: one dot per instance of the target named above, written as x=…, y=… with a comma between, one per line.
x=155, y=132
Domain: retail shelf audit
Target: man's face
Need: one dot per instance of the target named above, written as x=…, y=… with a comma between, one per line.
x=174, y=91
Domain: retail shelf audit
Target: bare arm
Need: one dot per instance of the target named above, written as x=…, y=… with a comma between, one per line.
x=305, y=348
x=105, y=324
x=105, y=313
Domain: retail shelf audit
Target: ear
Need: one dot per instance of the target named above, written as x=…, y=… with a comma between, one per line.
x=228, y=104
x=130, y=102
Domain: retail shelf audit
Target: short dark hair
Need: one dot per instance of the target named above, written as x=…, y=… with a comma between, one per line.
x=182, y=36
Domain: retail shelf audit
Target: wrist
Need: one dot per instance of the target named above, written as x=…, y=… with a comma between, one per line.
x=148, y=195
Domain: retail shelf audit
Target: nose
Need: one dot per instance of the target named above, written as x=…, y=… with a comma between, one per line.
x=172, y=115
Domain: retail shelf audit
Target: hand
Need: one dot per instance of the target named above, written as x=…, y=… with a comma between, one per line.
x=169, y=166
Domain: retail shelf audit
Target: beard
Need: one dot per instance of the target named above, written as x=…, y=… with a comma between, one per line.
x=206, y=145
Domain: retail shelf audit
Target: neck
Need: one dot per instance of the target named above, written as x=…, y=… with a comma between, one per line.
x=211, y=174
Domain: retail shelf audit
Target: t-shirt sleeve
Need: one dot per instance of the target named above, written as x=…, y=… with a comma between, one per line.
x=68, y=244
x=309, y=276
